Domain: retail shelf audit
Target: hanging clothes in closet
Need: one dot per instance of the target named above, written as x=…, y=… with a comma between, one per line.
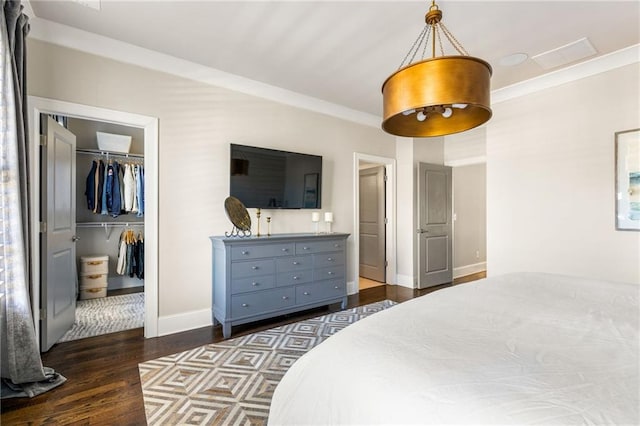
x=131, y=254
x=115, y=188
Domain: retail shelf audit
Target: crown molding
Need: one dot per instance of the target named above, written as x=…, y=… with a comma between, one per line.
x=610, y=61
x=466, y=161
x=63, y=35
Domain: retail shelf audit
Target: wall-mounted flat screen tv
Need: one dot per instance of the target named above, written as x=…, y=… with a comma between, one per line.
x=272, y=179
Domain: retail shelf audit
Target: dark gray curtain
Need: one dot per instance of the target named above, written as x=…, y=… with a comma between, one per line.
x=21, y=365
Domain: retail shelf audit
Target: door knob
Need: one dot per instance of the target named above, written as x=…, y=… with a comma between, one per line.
x=75, y=238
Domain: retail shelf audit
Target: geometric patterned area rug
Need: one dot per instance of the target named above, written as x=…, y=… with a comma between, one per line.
x=232, y=382
x=106, y=315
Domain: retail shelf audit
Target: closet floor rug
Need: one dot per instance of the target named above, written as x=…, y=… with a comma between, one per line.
x=106, y=315
x=232, y=382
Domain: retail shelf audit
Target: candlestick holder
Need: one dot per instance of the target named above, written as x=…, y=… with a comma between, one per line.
x=328, y=218
x=315, y=218
x=258, y=216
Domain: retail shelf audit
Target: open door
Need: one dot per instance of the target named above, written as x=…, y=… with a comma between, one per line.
x=58, y=233
x=372, y=224
x=435, y=229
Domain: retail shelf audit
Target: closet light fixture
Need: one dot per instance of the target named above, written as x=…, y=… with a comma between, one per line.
x=440, y=95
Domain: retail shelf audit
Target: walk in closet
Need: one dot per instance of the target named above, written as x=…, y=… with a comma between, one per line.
x=109, y=217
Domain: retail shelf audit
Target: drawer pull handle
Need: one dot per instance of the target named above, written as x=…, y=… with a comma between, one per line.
x=330, y=272
x=285, y=249
x=245, y=252
x=296, y=263
x=95, y=262
x=305, y=248
x=336, y=287
x=285, y=298
x=296, y=278
x=306, y=293
x=330, y=259
x=244, y=305
x=93, y=277
x=336, y=245
x=254, y=267
x=255, y=284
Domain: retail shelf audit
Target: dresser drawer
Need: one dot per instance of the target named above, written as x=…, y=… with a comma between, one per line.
x=259, y=251
x=244, y=305
x=319, y=246
x=328, y=259
x=260, y=282
x=330, y=272
x=309, y=293
x=252, y=268
x=294, y=277
x=298, y=263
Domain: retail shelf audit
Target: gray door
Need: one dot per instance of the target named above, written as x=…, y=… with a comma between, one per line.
x=434, y=228
x=58, y=252
x=372, y=224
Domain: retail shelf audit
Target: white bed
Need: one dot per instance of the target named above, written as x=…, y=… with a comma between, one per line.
x=514, y=349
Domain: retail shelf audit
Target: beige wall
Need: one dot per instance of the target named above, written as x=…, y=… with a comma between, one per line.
x=470, y=210
x=550, y=179
x=197, y=122
x=410, y=152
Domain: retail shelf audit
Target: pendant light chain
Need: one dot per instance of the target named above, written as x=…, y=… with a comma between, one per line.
x=423, y=40
x=452, y=39
x=415, y=47
x=426, y=43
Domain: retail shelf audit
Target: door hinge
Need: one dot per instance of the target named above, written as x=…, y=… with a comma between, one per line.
x=386, y=221
x=386, y=263
x=43, y=227
x=43, y=313
x=385, y=178
x=43, y=140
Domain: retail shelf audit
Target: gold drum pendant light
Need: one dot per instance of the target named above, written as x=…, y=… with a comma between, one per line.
x=437, y=96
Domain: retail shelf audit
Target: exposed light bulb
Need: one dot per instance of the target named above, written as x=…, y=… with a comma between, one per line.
x=421, y=116
x=447, y=112
x=459, y=106
x=408, y=112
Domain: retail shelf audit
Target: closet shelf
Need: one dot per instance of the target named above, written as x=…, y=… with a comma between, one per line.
x=103, y=224
x=108, y=226
x=108, y=153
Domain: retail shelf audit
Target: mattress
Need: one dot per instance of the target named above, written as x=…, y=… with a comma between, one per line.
x=515, y=349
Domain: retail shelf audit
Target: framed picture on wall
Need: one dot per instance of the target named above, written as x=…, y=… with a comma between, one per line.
x=628, y=180
x=310, y=195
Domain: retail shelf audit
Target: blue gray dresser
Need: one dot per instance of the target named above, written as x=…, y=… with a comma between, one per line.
x=261, y=277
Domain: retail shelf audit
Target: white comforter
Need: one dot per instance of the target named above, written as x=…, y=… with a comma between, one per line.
x=513, y=349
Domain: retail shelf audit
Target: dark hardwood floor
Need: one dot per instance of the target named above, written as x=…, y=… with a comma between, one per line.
x=103, y=384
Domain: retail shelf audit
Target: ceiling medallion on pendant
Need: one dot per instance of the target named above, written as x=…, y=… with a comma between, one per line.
x=440, y=95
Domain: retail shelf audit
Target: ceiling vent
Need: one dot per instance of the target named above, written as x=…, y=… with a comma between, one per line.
x=92, y=4
x=566, y=54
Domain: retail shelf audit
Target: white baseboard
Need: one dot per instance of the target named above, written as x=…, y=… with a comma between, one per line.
x=116, y=284
x=183, y=322
x=462, y=271
x=405, y=281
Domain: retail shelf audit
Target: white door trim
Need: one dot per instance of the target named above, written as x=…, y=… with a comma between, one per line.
x=390, y=211
x=39, y=105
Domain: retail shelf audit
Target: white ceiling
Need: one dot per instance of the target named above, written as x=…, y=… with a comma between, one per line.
x=342, y=51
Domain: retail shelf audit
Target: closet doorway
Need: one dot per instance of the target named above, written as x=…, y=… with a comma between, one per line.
x=98, y=236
